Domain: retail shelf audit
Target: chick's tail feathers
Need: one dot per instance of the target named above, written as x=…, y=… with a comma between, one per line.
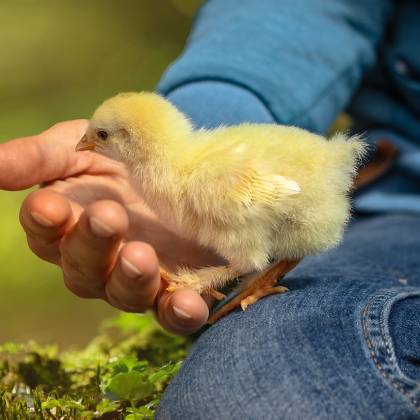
x=350, y=151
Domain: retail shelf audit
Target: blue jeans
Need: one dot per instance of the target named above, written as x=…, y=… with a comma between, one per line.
x=343, y=343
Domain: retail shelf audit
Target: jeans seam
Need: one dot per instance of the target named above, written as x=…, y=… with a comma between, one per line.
x=371, y=308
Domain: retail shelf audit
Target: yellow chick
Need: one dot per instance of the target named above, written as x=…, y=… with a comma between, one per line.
x=255, y=193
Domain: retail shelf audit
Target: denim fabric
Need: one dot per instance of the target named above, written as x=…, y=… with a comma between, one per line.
x=343, y=343
x=210, y=104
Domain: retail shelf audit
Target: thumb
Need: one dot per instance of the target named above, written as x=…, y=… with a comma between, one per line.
x=48, y=156
x=182, y=312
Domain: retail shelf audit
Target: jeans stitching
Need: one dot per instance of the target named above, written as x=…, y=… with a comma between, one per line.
x=376, y=303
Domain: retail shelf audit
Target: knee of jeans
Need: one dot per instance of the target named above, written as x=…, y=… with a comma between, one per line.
x=391, y=325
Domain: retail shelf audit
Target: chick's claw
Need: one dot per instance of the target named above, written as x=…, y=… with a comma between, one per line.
x=260, y=293
x=172, y=287
x=170, y=278
x=164, y=275
x=216, y=294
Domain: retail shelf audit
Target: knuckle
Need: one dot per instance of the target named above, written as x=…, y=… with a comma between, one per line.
x=136, y=307
x=38, y=239
x=47, y=253
x=70, y=264
x=77, y=289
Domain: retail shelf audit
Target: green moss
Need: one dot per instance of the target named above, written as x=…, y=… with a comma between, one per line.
x=121, y=374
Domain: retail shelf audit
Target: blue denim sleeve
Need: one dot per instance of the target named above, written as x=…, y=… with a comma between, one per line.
x=210, y=104
x=301, y=59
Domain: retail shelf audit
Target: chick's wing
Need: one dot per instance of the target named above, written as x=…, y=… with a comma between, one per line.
x=251, y=187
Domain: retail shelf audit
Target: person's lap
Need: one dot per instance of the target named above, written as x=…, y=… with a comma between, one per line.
x=342, y=343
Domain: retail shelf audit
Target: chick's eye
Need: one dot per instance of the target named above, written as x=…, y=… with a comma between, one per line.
x=103, y=135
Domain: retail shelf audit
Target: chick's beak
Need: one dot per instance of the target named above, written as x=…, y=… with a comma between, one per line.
x=85, y=143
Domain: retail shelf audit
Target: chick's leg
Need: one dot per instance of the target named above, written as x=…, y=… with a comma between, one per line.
x=207, y=279
x=165, y=275
x=256, y=288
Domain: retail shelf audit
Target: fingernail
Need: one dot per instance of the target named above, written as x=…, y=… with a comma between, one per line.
x=100, y=228
x=129, y=269
x=43, y=221
x=181, y=314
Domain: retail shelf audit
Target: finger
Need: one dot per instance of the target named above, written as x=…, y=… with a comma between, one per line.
x=45, y=217
x=32, y=160
x=135, y=280
x=88, y=252
x=182, y=312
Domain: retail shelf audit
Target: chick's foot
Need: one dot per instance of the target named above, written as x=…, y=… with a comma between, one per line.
x=178, y=282
x=256, y=288
x=185, y=278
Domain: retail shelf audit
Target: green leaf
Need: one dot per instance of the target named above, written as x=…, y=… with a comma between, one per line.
x=71, y=404
x=64, y=403
x=165, y=372
x=51, y=403
x=129, y=386
x=158, y=376
x=106, y=406
x=140, y=366
x=139, y=413
x=129, y=363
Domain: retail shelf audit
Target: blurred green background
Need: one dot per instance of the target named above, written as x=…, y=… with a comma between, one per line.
x=59, y=60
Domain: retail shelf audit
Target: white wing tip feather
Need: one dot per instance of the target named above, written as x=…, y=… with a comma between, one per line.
x=287, y=185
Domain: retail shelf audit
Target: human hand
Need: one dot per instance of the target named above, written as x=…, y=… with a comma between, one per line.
x=90, y=221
